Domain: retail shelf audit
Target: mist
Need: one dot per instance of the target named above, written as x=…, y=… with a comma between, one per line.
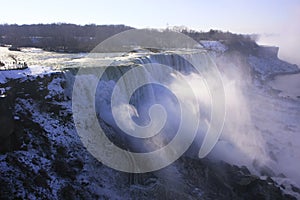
x=254, y=134
x=240, y=143
x=285, y=35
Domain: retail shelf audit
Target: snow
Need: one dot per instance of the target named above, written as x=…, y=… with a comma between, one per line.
x=63, y=134
x=54, y=128
x=213, y=45
x=16, y=117
x=31, y=71
x=270, y=66
x=289, y=85
x=55, y=88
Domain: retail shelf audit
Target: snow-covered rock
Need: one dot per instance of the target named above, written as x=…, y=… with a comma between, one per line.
x=30, y=72
x=215, y=46
x=266, y=67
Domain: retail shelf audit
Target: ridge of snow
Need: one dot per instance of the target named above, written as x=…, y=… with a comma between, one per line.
x=31, y=71
x=213, y=45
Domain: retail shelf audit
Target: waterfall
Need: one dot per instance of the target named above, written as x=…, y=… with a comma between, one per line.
x=138, y=103
x=161, y=100
x=150, y=103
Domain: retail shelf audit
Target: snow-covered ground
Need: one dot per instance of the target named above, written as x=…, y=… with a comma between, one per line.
x=266, y=67
x=31, y=72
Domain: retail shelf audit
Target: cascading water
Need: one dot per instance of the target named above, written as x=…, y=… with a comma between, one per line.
x=148, y=95
x=133, y=107
x=137, y=110
x=241, y=142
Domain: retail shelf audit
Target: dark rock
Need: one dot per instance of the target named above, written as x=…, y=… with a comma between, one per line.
x=224, y=181
x=77, y=164
x=67, y=193
x=64, y=169
x=295, y=189
x=6, y=118
x=247, y=180
x=245, y=170
x=40, y=181
x=8, y=137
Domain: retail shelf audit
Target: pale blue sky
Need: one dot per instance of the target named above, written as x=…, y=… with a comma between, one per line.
x=234, y=15
x=278, y=17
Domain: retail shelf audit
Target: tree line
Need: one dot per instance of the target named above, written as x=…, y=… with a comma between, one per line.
x=83, y=38
x=58, y=37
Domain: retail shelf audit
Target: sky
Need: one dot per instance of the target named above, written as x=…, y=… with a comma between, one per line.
x=277, y=20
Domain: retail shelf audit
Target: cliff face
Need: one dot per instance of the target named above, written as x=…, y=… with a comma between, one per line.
x=268, y=52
